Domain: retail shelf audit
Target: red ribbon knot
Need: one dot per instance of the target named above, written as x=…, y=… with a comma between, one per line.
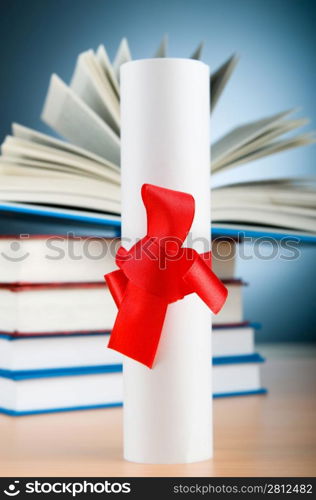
x=157, y=271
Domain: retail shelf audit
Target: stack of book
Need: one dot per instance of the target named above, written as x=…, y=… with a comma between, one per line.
x=56, y=314
x=55, y=311
x=236, y=364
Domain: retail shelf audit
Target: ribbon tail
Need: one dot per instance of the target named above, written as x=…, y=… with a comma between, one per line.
x=117, y=282
x=137, y=329
x=207, y=258
x=206, y=284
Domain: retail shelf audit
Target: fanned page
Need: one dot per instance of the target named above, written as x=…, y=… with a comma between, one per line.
x=122, y=56
x=105, y=63
x=91, y=84
x=268, y=194
x=72, y=118
x=19, y=148
x=275, y=203
x=306, y=184
x=198, y=52
x=274, y=147
x=220, y=78
x=33, y=136
x=242, y=135
x=280, y=217
x=163, y=47
x=24, y=167
x=66, y=191
x=260, y=141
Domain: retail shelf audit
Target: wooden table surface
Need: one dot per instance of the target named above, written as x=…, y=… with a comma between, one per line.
x=272, y=435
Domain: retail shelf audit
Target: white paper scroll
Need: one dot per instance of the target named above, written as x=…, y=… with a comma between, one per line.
x=165, y=141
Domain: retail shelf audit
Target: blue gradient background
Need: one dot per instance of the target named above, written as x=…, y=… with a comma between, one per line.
x=276, y=40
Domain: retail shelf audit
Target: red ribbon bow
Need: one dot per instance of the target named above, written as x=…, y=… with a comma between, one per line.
x=157, y=271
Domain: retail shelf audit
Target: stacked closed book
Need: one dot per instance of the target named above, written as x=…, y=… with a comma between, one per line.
x=56, y=314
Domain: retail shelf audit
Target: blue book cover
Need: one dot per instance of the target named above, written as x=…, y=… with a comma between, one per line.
x=102, y=369
x=24, y=375
x=13, y=413
x=18, y=216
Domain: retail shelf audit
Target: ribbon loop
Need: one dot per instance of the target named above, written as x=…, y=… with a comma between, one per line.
x=157, y=271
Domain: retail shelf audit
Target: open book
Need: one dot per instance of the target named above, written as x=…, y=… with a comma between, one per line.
x=83, y=172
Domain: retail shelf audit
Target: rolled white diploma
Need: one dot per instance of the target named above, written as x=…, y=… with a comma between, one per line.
x=165, y=141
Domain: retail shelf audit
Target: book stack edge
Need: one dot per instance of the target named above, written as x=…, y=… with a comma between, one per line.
x=56, y=315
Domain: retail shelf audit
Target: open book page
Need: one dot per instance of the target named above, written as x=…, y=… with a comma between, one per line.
x=65, y=191
x=294, y=183
x=63, y=200
x=72, y=118
x=274, y=147
x=34, y=136
x=270, y=194
x=291, y=210
x=66, y=184
x=163, y=47
x=20, y=148
x=220, y=78
x=122, y=56
x=197, y=54
x=260, y=141
x=280, y=216
x=27, y=168
x=301, y=183
x=258, y=230
x=243, y=134
x=105, y=63
x=91, y=84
